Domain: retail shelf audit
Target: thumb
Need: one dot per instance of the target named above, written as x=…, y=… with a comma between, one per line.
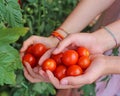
x=63, y=44
x=45, y=56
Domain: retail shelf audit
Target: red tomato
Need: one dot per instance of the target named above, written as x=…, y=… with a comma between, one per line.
x=49, y=64
x=57, y=58
x=82, y=51
x=29, y=49
x=38, y=50
x=84, y=62
x=60, y=72
x=74, y=70
x=70, y=57
x=30, y=59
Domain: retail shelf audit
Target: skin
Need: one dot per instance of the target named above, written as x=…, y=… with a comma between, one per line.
x=72, y=25
x=94, y=42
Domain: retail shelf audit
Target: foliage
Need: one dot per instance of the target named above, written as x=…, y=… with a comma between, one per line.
x=41, y=17
x=9, y=57
x=10, y=14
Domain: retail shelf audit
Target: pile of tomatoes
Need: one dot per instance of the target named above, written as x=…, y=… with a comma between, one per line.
x=72, y=62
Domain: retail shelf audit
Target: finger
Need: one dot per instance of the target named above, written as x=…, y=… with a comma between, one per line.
x=74, y=81
x=36, y=69
x=29, y=77
x=63, y=44
x=56, y=82
x=44, y=75
x=45, y=56
x=21, y=55
x=27, y=43
x=31, y=72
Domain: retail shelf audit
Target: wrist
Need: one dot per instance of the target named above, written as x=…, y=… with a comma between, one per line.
x=59, y=33
x=54, y=40
x=103, y=40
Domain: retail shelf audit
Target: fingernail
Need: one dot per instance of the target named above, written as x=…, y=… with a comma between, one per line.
x=64, y=82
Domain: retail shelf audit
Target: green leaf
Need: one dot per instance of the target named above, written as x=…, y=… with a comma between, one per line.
x=9, y=62
x=9, y=56
x=115, y=51
x=89, y=90
x=42, y=88
x=10, y=13
x=10, y=35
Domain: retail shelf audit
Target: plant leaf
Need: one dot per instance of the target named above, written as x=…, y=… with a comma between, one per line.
x=10, y=35
x=9, y=62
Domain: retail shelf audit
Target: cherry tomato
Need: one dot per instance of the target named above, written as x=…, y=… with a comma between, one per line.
x=57, y=58
x=74, y=70
x=29, y=49
x=60, y=71
x=38, y=50
x=30, y=59
x=49, y=64
x=84, y=62
x=70, y=57
x=82, y=51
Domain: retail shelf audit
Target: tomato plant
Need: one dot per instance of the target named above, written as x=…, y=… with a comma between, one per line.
x=38, y=49
x=82, y=51
x=70, y=57
x=49, y=64
x=57, y=58
x=29, y=59
x=60, y=71
x=74, y=70
x=84, y=62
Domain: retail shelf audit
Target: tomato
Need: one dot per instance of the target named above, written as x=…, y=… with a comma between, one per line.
x=30, y=59
x=57, y=58
x=74, y=70
x=49, y=64
x=29, y=49
x=20, y=3
x=70, y=57
x=60, y=72
x=84, y=62
x=82, y=51
x=38, y=50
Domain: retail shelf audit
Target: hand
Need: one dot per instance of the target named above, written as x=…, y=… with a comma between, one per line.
x=80, y=39
x=50, y=42
x=96, y=69
x=37, y=74
x=33, y=75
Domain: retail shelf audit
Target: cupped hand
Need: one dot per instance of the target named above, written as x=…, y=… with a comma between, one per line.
x=80, y=39
x=37, y=74
x=49, y=42
x=96, y=69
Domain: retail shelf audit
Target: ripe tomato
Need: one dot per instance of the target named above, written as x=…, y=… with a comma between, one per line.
x=84, y=62
x=82, y=51
x=30, y=59
x=57, y=58
x=70, y=57
x=49, y=64
x=74, y=70
x=38, y=50
x=29, y=49
x=60, y=72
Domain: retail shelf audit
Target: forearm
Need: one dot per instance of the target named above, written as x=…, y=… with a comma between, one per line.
x=84, y=13
x=104, y=38
x=112, y=65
